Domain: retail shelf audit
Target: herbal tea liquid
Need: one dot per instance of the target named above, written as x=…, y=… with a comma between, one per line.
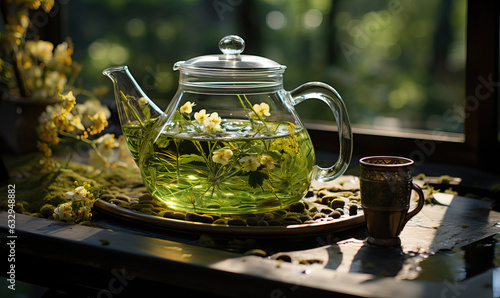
x=241, y=171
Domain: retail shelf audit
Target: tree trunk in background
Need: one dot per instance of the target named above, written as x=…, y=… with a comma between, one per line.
x=442, y=39
x=250, y=26
x=331, y=34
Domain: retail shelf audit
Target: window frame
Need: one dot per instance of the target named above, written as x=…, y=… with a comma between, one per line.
x=478, y=146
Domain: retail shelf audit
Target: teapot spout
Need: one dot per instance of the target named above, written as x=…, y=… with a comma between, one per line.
x=136, y=111
x=134, y=106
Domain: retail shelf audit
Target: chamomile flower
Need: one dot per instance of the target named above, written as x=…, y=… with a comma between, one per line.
x=187, y=107
x=267, y=161
x=214, y=117
x=222, y=156
x=261, y=110
x=212, y=123
x=249, y=163
x=77, y=195
x=201, y=116
x=80, y=204
x=64, y=211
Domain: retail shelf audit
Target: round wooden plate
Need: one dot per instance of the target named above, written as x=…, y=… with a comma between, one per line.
x=345, y=222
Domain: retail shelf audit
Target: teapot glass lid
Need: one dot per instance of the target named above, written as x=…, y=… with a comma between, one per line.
x=231, y=58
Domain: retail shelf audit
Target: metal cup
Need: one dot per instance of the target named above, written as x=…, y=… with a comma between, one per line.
x=386, y=185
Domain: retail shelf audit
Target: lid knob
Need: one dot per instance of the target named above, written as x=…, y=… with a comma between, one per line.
x=232, y=46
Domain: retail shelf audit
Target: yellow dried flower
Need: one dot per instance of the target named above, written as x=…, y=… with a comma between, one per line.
x=99, y=123
x=48, y=132
x=47, y=163
x=40, y=50
x=35, y=4
x=44, y=147
x=47, y=5
x=24, y=20
x=62, y=55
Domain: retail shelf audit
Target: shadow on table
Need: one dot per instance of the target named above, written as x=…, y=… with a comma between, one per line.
x=468, y=225
x=462, y=246
x=379, y=261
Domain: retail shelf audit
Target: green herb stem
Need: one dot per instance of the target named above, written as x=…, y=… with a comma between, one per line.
x=131, y=109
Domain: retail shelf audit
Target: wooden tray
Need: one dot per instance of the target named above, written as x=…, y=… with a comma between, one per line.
x=300, y=230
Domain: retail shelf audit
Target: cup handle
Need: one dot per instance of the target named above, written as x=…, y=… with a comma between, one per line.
x=330, y=96
x=420, y=205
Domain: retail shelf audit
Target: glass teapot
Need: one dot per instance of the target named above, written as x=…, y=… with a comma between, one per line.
x=230, y=141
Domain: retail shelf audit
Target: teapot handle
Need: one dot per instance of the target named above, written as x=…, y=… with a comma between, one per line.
x=325, y=93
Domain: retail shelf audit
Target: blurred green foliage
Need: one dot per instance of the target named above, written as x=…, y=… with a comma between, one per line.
x=397, y=63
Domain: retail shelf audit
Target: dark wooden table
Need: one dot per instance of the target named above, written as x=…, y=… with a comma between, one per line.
x=134, y=261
